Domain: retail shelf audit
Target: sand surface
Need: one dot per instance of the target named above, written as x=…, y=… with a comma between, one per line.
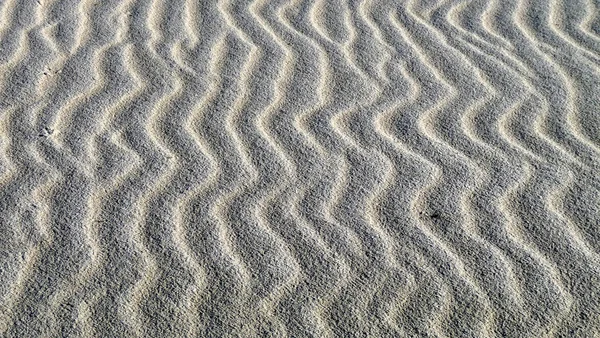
x=292, y=168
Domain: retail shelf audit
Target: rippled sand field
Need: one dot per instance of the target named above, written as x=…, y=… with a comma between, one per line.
x=292, y=168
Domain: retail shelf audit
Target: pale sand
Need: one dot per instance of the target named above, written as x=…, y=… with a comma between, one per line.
x=296, y=168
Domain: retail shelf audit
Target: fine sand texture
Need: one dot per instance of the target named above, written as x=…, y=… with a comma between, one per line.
x=299, y=168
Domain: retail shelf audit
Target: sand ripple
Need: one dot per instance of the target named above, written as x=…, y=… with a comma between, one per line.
x=300, y=168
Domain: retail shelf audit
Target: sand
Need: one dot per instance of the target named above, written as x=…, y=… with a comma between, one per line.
x=291, y=168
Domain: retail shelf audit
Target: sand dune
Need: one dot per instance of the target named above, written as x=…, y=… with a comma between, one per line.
x=415, y=168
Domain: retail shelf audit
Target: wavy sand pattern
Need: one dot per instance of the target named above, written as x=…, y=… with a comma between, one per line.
x=292, y=168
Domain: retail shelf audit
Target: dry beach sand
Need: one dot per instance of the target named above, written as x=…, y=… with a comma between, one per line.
x=300, y=168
